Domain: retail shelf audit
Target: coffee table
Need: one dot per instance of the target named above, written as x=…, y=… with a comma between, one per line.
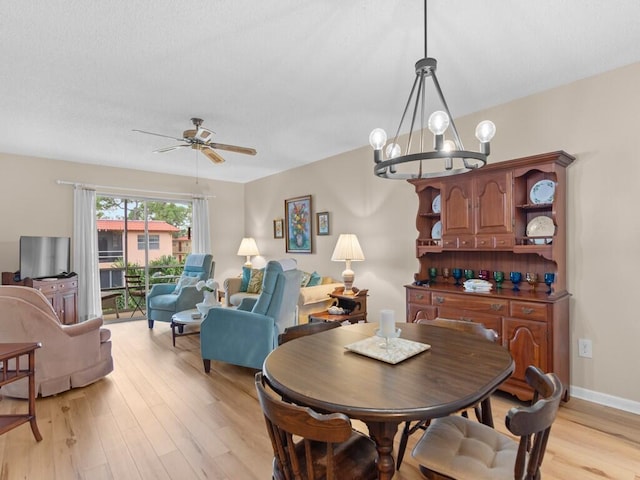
x=181, y=319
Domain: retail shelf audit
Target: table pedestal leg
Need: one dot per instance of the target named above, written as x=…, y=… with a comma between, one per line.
x=382, y=433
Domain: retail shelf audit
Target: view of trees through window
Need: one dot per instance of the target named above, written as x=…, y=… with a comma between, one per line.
x=141, y=237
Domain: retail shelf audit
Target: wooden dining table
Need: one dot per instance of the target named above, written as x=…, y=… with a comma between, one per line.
x=456, y=372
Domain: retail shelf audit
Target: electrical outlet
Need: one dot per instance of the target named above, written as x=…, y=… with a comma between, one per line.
x=585, y=348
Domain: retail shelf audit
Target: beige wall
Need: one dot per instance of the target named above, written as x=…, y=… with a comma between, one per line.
x=596, y=120
x=33, y=204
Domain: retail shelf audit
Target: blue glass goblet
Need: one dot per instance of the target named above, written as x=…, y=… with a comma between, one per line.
x=549, y=278
x=516, y=278
x=457, y=274
x=433, y=273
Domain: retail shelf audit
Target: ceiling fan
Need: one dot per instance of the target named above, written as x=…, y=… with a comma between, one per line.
x=199, y=138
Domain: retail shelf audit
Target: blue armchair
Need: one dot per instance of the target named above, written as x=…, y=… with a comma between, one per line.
x=246, y=335
x=165, y=299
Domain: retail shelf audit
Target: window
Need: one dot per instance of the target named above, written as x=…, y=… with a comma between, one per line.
x=154, y=242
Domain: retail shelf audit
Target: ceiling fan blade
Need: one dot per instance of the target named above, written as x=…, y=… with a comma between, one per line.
x=212, y=155
x=234, y=148
x=156, y=134
x=168, y=149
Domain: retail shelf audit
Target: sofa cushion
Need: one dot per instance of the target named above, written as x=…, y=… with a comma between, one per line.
x=246, y=276
x=255, y=282
x=314, y=280
x=304, y=279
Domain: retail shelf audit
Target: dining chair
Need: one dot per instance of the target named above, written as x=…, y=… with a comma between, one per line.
x=325, y=446
x=305, y=329
x=455, y=447
x=135, y=287
x=461, y=326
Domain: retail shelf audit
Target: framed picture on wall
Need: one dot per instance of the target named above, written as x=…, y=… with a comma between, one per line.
x=322, y=221
x=297, y=214
x=278, y=228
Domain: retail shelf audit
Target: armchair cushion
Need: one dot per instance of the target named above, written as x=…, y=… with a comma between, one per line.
x=255, y=282
x=184, y=281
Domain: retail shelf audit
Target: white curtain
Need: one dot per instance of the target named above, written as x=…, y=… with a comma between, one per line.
x=85, y=253
x=201, y=238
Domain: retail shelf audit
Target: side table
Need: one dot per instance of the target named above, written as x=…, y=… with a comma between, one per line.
x=355, y=305
x=11, y=371
x=180, y=319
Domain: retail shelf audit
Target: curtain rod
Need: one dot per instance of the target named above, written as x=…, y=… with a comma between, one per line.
x=133, y=190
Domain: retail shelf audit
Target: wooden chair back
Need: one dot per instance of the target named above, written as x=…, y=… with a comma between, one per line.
x=533, y=424
x=482, y=410
x=462, y=326
x=305, y=329
x=315, y=454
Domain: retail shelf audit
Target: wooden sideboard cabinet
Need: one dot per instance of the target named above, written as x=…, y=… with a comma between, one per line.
x=61, y=292
x=532, y=325
x=483, y=220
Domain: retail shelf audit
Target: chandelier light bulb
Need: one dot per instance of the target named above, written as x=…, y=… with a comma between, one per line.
x=485, y=131
x=393, y=150
x=449, y=146
x=438, y=122
x=377, y=138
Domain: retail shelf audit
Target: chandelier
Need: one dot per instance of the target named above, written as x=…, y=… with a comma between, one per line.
x=454, y=158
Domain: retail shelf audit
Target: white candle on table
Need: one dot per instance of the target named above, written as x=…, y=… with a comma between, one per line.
x=387, y=323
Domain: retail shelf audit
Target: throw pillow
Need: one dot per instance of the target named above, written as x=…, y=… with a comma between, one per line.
x=314, y=280
x=305, y=279
x=246, y=276
x=184, y=282
x=255, y=282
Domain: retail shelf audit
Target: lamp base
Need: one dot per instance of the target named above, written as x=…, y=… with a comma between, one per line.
x=348, y=277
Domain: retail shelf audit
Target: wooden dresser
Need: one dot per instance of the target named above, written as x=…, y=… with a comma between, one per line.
x=483, y=222
x=61, y=292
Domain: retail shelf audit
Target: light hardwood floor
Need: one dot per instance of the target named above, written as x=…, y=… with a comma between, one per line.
x=159, y=416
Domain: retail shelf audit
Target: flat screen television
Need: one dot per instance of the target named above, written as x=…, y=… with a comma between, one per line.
x=44, y=256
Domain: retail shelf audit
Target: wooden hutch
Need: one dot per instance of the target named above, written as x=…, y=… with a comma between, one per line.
x=483, y=217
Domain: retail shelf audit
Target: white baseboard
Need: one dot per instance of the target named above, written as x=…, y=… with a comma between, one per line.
x=605, y=399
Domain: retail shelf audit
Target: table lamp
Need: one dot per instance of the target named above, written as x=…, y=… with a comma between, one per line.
x=248, y=248
x=347, y=250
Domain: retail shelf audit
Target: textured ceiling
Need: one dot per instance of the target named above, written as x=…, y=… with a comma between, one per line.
x=299, y=80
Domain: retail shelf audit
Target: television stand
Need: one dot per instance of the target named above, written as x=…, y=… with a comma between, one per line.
x=61, y=292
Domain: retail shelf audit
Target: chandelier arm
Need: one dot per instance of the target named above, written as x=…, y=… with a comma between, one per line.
x=415, y=110
x=454, y=130
x=406, y=108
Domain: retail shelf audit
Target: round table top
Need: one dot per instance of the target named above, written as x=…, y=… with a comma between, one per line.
x=186, y=316
x=459, y=370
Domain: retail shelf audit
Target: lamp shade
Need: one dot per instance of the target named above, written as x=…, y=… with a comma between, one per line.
x=347, y=248
x=248, y=247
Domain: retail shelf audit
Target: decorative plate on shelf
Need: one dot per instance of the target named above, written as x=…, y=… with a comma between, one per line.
x=436, y=231
x=541, y=227
x=542, y=191
x=435, y=205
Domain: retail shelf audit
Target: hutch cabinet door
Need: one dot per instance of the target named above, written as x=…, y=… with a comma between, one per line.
x=494, y=212
x=527, y=342
x=457, y=208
